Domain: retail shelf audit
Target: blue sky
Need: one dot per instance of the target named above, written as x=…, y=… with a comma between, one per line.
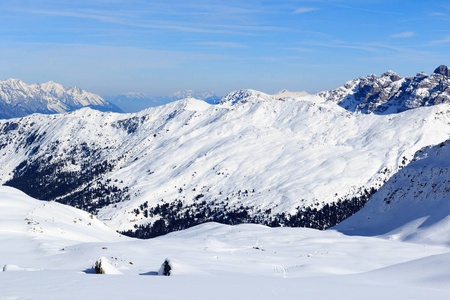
x=156, y=47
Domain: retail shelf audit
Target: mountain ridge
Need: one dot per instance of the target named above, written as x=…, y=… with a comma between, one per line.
x=298, y=162
x=252, y=158
x=391, y=93
x=18, y=99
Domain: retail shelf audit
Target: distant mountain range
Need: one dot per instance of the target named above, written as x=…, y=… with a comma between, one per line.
x=18, y=99
x=135, y=101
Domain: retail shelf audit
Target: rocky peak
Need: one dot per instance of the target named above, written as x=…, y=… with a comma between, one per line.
x=392, y=75
x=244, y=96
x=443, y=70
x=391, y=93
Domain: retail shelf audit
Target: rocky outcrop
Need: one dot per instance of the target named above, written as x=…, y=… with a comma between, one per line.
x=390, y=93
x=442, y=70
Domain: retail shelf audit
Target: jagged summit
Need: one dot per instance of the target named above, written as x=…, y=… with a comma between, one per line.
x=50, y=86
x=392, y=75
x=244, y=96
x=13, y=80
x=391, y=93
x=443, y=70
x=18, y=99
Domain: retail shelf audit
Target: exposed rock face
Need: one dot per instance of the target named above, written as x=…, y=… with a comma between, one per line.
x=244, y=96
x=390, y=93
x=443, y=70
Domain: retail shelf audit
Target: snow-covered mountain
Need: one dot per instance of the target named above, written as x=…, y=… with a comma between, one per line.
x=391, y=93
x=299, y=161
x=244, y=96
x=285, y=93
x=413, y=205
x=18, y=99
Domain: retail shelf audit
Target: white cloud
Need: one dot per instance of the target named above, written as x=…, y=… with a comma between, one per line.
x=222, y=44
x=444, y=40
x=406, y=34
x=304, y=10
x=438, y=14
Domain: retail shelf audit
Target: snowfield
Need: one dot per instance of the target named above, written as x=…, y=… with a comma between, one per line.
x=49, y=249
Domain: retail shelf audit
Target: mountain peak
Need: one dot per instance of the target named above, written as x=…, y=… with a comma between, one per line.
x=392, y=75
x=19, y=99
x=51, y=85
x=391, y=93
x=285, y=93
x=202, y=95
x=245, y=95
x=13, y=82
x=443, y=70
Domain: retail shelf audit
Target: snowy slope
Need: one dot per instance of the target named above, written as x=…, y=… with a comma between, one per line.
x=390, y=93
x=24, y=215
x=17, y=99
x=209, y=260
x=413, y=205
x=251, y=158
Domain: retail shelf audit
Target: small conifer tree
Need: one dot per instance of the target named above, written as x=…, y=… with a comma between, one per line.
x=165, y=268
x=98, y=268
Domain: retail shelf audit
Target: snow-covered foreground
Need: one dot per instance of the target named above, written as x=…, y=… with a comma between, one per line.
x=49, y=249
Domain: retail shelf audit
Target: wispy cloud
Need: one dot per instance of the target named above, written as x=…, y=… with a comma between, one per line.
x=299, y=49
x=341, y=44
x=304, y=10
x=360, y=8
x=406, y=34
x=222, y=44
x=438, y=14
x=442, y=41
x=374, y=47
x=137, y=22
